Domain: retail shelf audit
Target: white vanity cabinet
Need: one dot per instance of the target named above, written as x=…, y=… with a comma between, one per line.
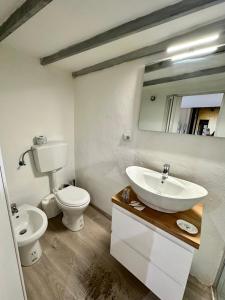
x=159, y=260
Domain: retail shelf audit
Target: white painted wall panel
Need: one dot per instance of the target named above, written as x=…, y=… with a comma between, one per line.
x=34, y=101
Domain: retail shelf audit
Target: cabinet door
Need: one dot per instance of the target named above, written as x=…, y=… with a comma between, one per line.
x=149, y=274
x=170, y=257
x=11, y=282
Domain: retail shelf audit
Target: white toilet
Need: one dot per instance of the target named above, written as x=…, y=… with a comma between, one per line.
x=73, y=201
x=49, y=158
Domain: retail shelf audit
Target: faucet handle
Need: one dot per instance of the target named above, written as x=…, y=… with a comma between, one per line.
x=166, y=167
x=14, y=208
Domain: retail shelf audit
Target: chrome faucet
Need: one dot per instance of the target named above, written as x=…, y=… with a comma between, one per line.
x=165, y=172
x=14, y=209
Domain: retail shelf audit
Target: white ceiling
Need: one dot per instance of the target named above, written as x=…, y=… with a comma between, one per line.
x=62, y=23
x=141, y=39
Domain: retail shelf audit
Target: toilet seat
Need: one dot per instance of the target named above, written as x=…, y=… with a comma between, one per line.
x=73, y=196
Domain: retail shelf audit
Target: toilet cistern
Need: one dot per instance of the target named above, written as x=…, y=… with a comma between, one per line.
x=165, y=172
x=49, y=158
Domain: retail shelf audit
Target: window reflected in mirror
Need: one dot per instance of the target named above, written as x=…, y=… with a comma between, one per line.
x=196, y=114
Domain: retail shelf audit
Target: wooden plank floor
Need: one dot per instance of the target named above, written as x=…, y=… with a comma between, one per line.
x=78, y=266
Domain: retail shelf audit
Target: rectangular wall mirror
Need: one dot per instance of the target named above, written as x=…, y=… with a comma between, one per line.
x=182, y=94
x=202, y=114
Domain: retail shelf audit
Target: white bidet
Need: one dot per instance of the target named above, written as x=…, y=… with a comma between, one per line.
x=29, y=223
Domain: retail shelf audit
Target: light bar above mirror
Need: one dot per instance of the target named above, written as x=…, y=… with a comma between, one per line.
x=192, y=44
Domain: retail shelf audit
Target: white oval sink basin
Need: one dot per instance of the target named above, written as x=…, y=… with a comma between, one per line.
x=171, y=196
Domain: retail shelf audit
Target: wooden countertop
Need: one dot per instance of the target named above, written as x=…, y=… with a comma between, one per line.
x=165, y=221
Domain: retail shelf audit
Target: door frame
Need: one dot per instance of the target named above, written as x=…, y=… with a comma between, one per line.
x=3, y=179
x=217, y=279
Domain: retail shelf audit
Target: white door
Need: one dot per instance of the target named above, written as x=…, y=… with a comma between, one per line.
x=11, y=280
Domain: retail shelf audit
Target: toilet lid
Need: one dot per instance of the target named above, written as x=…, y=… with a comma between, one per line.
x=73, y=196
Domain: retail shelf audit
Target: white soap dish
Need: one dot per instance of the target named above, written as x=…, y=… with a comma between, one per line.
x=186, y=226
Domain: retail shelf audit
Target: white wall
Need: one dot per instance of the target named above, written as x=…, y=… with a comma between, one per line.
x=33, y=100
x=153, y=114
x=106, y=104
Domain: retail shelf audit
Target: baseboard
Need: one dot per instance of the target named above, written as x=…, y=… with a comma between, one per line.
x=102, y=211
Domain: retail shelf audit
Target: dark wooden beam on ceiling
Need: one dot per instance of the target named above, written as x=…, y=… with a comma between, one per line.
x=169, y=63
x=27, y=10
x=152, y=49
x=199, y=73
x=155, y=18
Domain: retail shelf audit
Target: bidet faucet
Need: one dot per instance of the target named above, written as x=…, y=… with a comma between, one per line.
x=165, y=172
x=14, y=209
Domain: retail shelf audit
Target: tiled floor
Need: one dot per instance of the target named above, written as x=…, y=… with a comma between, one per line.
x=78, y=266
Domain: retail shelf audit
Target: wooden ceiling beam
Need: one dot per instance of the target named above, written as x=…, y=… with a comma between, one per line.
x=27, y=10
x=155, y=18
x=160, y=47
x=199, y=73
x=169, y=63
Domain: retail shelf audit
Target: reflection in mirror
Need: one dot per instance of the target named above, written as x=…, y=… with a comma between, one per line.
x=183, y=114
x=183, y=89
x=197, y=114
x=154, y=112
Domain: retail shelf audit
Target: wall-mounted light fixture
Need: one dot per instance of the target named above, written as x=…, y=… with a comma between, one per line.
x=192, y=44
x=194, y=53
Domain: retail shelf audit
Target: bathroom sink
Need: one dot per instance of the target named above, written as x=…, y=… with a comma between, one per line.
x=170, y=196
